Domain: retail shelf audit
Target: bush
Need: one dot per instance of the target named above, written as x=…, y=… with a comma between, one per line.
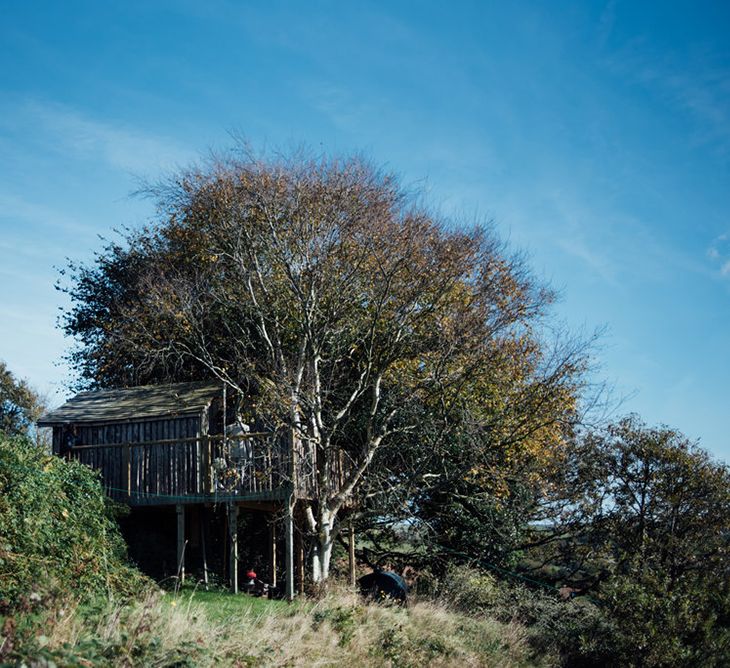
x=663, y=625
x=578, y=630
x=58, y=538
x=468, y=589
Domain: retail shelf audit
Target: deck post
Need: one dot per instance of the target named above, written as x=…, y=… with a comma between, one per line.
x=204, y=541
x=351, y=553
x=180, y=511
x=207, y=466
x=272, y=550
x=300, y=562
x=233, y=543
x=289, y=540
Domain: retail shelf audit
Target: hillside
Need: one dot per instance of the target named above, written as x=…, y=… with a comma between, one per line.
x=213, y=629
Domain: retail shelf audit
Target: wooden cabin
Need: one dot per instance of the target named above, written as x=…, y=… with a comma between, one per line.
x=166, y=452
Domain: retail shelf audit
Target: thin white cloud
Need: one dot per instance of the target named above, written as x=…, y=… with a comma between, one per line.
x=607, y=21
x=719, y=254
x=337, y=103
x=695, y=86
x=16, y=211
x=598, y=264
x=612, y=244
x=117, y=144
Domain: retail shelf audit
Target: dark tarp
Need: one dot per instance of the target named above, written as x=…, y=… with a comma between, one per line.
x=384, y=585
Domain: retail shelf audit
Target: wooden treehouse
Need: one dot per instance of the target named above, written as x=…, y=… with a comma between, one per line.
x=178, y=456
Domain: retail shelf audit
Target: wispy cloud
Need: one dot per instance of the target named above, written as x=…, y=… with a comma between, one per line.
x=613, y=244
x=337, y=103
x=118, y=144
x=692, y=83
x=595, y=261
x=606, y=21
x=719, y=254
x=707, y=100
x=16, y=211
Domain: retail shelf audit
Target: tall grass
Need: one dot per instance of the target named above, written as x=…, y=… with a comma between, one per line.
x=337, y=630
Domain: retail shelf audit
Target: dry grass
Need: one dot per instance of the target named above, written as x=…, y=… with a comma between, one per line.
x=337, y=630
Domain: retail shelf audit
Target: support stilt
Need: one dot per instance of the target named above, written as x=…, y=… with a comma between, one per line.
x=233, y=545
x=300, y=562
x=272, y=550
x=351, y=553
x=289, y=542
x=204, y=542
x=180, y=511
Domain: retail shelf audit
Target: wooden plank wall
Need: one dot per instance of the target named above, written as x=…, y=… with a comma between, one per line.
x=164, y=460
x=164, y=469
x=186, y=426
x=305, y=474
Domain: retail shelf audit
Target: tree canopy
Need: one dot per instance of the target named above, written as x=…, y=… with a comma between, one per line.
x=346, y=309
x=20, y=405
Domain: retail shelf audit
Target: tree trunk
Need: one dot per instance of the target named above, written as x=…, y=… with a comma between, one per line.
x=322, y=552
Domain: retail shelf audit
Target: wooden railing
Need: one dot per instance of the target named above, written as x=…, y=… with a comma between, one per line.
x=207, y=467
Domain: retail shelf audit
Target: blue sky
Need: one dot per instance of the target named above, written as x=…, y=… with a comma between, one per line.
x=596, y=135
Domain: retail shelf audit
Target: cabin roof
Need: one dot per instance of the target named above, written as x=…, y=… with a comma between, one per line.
x=133, y=404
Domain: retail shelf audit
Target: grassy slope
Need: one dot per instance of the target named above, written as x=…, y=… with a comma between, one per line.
x=215, y=628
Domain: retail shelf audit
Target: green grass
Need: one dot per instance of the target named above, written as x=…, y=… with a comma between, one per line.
x=220, y=605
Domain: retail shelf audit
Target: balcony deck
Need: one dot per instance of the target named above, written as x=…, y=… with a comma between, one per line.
x=205, y=469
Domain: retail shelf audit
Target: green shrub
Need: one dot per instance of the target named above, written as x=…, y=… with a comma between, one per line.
x=663, y=625
x=468, y=589
x=630, y=622
x=342, y=619
x=577, y=630
x=58, y=538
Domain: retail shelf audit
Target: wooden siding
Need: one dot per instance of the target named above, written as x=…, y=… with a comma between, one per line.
x=140, y=432
x=194, y=470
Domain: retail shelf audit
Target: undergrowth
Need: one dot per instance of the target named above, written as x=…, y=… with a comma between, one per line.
x=58, y=535
x=165, y=630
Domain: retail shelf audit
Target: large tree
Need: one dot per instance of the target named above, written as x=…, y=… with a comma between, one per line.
x=325, y=290
x=642, y=515
x=659, y=500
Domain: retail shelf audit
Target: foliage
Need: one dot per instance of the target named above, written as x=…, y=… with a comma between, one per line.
x=20, y=406
x=656, y=502
x=325, y=290
x=641, y=517
x=468, y=589
x=660, y=623
x=469, y=484
x=576, y=630
x=57, y=534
